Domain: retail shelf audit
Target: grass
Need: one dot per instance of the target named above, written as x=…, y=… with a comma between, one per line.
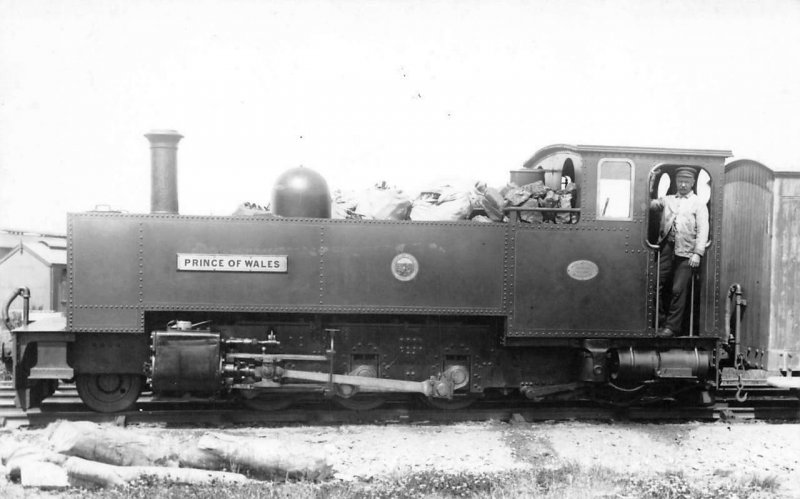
x=677, y=486
x=567, y=481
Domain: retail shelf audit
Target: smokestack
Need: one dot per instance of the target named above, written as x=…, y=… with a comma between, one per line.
x=164, y=170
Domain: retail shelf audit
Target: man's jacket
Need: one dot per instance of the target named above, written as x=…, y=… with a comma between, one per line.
x=689, y=217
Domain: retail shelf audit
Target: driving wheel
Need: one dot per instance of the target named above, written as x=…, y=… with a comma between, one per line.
x=348, y=397
x=455, y=404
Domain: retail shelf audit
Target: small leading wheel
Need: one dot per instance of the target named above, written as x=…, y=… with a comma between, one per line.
x=109, y=392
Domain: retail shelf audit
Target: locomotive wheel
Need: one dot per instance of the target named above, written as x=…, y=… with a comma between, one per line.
x=347, y=396
x=109, y=392
x=456, y=404
x=268, y=403
x=361, y=402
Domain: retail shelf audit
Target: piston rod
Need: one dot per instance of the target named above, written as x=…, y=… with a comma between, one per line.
x=441, y=388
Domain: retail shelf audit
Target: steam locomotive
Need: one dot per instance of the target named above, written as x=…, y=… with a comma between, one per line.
x=270, y=310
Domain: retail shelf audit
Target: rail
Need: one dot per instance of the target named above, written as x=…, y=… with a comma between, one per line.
x=66, y=405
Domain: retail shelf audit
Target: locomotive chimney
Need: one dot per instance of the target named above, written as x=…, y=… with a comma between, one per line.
x=164, y=170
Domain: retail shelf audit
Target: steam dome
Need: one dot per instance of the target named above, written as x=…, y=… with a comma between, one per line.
x=301, y=192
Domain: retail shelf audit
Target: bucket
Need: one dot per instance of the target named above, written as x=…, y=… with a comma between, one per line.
x=527, y=176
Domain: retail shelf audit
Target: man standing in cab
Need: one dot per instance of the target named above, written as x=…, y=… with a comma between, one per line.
x=682, y=239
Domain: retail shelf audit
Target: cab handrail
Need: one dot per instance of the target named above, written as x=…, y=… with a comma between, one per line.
x=25, y=293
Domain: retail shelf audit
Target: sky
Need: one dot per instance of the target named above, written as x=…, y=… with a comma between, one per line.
x=411, y=92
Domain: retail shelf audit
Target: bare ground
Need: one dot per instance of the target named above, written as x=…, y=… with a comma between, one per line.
x=705, y=452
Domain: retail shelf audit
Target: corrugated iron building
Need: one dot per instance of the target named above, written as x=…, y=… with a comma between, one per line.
x=37, y=261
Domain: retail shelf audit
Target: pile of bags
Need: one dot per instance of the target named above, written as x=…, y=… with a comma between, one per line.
x=449, y=202
x=443, y=203
x=248, y=209
x=380, y=202
x=537, y=195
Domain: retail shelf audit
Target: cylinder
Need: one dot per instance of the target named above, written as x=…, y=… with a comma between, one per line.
x=164, y=170
x=635, y=364
x=186, y=362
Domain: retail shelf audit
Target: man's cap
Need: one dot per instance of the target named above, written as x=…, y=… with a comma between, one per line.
x=685, y=171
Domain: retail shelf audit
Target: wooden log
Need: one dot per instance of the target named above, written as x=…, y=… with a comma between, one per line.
x=270, y=458
x=81, y=471
x=43, y=475
x=7, y=448
x=108, y=475
x=188, y=476
x=114, y=445
x=19, y=455
x=191, y=456
x=263, y=458
x=110, y=445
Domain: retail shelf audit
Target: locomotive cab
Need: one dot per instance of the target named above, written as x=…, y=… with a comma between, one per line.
x=601, y=271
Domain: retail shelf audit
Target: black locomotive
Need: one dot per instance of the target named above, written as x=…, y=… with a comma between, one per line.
x=272, y=309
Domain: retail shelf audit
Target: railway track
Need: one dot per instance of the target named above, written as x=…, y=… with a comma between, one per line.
x=66, y=405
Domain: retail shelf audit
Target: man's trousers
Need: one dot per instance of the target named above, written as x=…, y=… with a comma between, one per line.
x=674, y=277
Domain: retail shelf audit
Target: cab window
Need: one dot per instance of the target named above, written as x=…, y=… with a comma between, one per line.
x=615, y=189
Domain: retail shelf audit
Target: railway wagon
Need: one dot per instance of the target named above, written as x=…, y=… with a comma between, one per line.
x=270, y=310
